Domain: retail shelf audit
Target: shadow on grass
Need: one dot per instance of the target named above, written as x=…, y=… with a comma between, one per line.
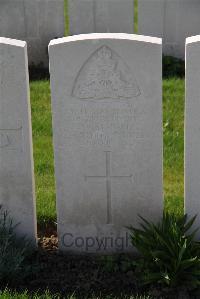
x=173, y=67
x=39, y=72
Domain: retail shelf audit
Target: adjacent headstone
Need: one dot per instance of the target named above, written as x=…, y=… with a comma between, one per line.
x=107, y=126
x=192, y=129
x=90, y=16
x=16, y=161
x=172, y=20
x=36, y=22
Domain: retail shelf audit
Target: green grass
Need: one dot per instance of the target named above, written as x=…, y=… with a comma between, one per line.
x=25, y=295
x=43, y=151
x=173, y=123
x=173, y=120
x=135, y=16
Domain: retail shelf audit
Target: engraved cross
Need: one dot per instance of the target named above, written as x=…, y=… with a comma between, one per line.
x=108, y=178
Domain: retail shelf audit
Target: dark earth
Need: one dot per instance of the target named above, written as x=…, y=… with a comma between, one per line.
x=81, y=275
x=88, y=276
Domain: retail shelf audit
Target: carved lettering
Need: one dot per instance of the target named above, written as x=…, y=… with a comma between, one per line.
x=102, y=125
x=11, y=139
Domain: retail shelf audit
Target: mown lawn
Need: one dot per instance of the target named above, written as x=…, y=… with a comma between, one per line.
x=43, y=151
x=173, y=122
x=8, y=294
x=173, y=129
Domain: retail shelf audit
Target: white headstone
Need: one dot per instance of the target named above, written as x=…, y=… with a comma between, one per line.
x=16, y=161
x=107, y=126
x=192, y=129
x=90, y=16
x=172, y=20
x=36, y=22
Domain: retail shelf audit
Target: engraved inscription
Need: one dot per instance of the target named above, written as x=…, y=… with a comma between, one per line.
x=11, y=139
x=108, y=178
x=102, y=126
x=105, y=76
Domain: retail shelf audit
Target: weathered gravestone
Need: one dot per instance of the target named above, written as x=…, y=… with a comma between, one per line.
x=173, y=20
x=107, y=125
x=90, y=16
x=16, y=162
x=35, y=21
x=192, y=129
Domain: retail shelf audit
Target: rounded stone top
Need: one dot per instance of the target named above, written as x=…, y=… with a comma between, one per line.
x=12, y=42
x=119, y=36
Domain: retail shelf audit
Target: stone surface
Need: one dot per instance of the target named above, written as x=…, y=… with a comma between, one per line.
x=16, y=161
x=107, y=126
x=172, y=20
x=192, y=128
x=90, y=16
x=36, y=22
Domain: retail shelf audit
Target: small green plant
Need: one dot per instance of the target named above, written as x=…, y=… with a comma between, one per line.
x=169, y=254
x=14, y=253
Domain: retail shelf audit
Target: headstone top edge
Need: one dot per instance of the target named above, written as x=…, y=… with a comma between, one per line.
x=12, y=42
x=192, y=39
x=118, y=36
